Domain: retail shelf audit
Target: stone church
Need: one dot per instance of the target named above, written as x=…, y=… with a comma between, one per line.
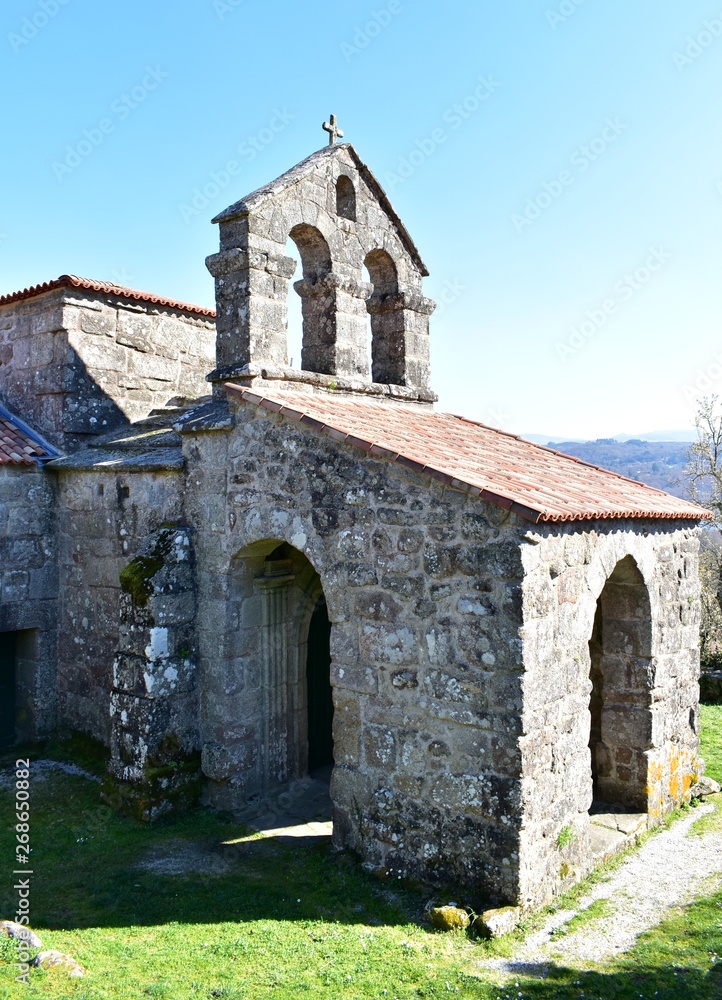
x=235, y=572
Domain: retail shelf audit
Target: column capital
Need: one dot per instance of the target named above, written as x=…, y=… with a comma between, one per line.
x=326, y=284
x=230, y=261
x=408, y=298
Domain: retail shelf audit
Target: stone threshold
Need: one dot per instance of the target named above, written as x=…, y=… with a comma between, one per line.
x=298, y=813
x=612, y=832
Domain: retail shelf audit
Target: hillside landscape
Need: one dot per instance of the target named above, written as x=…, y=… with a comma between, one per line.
x=657, y=463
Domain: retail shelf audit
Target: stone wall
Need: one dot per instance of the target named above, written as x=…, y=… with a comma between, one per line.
x=644, y=579
x=29, y=592
x=461, y=657
x=104, y=521
x=76, y=364
x=423, y=589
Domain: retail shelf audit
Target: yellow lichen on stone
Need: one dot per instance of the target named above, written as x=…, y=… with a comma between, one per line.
x=674, y=773
x=653, y=788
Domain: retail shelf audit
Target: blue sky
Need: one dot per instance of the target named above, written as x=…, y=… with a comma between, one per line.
x=571, y=219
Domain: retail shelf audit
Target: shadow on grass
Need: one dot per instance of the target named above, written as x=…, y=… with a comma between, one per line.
x=654, y=983
x=95, y=868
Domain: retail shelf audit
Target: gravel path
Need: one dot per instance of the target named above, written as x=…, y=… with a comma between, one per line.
x=669, y=870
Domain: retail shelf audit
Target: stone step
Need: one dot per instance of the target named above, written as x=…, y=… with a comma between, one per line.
x=612, y=832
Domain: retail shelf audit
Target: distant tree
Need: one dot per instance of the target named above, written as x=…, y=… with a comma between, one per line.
x=704, y=459
x=710, y=626
x=703, y=475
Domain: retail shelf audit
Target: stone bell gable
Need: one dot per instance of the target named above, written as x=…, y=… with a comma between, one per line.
x=341, y=221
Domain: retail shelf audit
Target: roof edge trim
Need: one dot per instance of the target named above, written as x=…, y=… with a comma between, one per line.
x=52, y=451
x=105, y=288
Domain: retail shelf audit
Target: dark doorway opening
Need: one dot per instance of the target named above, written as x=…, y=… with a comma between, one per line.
x=320, y=698
x=7, y=689
x=620, y=705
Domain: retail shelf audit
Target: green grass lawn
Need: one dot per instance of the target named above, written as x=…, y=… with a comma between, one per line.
x=264, y=920
x=710, y=743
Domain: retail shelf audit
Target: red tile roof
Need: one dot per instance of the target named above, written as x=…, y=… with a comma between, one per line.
x=88, y=284
x=19, y=445
x=535, y=482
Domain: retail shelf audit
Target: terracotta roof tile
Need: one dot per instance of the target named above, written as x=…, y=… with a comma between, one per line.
x=19, y=445
x=536, y=482
x=88, y=284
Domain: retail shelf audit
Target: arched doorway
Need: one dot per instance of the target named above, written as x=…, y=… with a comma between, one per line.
x=275, y=695
x=620, y=704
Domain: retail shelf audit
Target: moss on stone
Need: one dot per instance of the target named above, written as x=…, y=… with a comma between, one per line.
x=136, y=578
x=163, y=791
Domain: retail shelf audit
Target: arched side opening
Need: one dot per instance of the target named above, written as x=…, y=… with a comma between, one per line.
x=280, y=663
x=317, y=301
x=388, y=344
x=345, y=198
x=294, y=313
x=620, y=704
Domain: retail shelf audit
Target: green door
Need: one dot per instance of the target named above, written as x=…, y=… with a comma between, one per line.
x=7, y=689
x=320, y=701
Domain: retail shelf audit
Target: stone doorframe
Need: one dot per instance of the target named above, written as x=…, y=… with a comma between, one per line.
x=287, y=601
x=253, y=701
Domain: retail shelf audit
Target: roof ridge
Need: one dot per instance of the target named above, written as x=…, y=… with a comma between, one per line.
x=109, y=288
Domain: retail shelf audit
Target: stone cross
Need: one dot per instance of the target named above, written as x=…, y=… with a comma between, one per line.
x=334, y=132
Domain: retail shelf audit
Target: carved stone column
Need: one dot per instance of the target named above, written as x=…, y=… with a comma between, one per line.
x=251, y=307
x=277, y=738
x=335, y=325
x=400, y=348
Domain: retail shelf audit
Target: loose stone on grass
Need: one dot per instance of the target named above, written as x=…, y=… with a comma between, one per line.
x=497, y=923
x=704, y=787
x=21, y=933
x=446, y=918
x=56, y=960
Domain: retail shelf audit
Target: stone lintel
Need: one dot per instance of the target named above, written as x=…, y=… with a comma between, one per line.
x=264, y=583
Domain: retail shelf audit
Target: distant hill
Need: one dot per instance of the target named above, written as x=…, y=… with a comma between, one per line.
x=656, y=463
